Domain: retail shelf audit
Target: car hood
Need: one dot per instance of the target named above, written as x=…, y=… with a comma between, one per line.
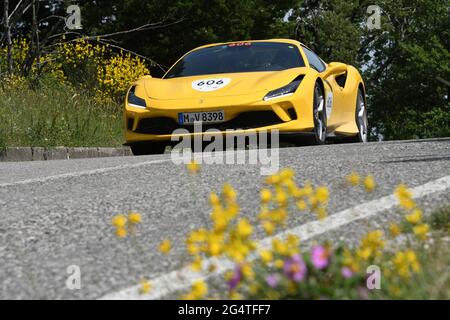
x=219, y=85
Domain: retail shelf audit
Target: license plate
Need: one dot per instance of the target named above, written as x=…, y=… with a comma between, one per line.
x=201, y=117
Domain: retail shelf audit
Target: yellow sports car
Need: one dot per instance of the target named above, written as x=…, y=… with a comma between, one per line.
x=249, y=86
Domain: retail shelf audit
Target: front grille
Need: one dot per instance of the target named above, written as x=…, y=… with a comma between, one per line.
x=245, y=120
x=292, y=113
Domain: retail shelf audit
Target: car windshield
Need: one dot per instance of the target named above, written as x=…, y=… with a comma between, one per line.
x=238, y=57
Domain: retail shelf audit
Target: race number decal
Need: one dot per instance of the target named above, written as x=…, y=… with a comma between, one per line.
x=205, y=85
x=329, y=104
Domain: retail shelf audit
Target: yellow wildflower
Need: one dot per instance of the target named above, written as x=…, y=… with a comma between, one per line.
x=322, y=194
x=353, y=179
x=307, y=189
x=292, y=241
x=364, y=253
x=395, y=230
x=279, y=263
x=268, y=227
x=403, y=192
x=193, y=167
x=406, y=263
x=229, y=193
x=244, y=229
x=165, y=246
x=197, y=264
x=134, y=218
x=371, y=244
x=266, y=256
x=412, y=259
x=281, y=198
x=247, y=271
x=266, y=195
x=235, y=295
x=121, y=232
x=279, y=247
x=286, y=174
x=145, y=287
x=369, y=183
x=421, y=231
x=407, y=203
x=321, y=213
x=199, y=289
x=119, y=221
x=415, y=217
x=214, y=199
x=301, y=205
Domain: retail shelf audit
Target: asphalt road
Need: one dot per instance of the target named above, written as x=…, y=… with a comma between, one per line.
x=58, y=213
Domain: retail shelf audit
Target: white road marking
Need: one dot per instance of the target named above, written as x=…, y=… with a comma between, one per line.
x=83, y=173
x=182, y=279
x=197, y=156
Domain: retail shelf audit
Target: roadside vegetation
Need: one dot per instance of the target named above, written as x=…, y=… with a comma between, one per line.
x=71, y=98
x=412, y=255
x=404, y=59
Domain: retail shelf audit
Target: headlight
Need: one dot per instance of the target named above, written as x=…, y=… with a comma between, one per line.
x=134, y=100
x=284, y=91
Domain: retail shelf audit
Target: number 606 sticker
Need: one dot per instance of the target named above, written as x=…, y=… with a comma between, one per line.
x=206, y=85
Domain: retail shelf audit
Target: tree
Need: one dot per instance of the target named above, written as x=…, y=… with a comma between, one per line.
x=401, y=63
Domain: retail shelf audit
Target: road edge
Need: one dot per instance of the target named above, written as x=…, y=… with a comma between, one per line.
x=17, y=154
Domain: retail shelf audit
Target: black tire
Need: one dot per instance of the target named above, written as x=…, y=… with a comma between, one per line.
x=147, y=148
x=360, y=119
x=319, y=115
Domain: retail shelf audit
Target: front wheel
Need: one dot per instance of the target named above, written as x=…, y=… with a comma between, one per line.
x=147, y=148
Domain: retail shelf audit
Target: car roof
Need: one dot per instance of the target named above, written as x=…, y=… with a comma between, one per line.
x=295, y=42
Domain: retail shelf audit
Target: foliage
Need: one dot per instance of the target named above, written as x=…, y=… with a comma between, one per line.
x=56, y=114
x=97, y=68
x=405, y=63
x=325, y=271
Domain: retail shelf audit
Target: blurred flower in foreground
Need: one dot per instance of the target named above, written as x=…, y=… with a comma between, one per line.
x=119, y=221
x=145, y=287
x=273, y=280
x=421, y=231
x=198, y=291
x=295, y=268
x=134, y=217
x=346, y=272
x=193, y=167
x=395, y=230
x=235, y=278
x=319, y=257
x=353, y=179
x=165, y=246
x=415, y=217
x=369, y=183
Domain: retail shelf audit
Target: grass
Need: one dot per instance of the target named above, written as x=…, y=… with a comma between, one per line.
x=57, y=115
x=433, y=282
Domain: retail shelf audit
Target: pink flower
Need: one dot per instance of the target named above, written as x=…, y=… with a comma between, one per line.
x=346, y=272
x=319, y=257
x=295, y=268
x=272, y=280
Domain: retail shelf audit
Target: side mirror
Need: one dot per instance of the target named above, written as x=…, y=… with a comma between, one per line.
x=334, y=68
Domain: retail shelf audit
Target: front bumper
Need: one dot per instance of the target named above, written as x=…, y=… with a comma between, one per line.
x=246, y=114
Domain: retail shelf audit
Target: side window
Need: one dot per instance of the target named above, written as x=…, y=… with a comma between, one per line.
x=314, y=60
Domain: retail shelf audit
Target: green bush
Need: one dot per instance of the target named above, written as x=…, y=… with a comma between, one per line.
x=56, y=114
